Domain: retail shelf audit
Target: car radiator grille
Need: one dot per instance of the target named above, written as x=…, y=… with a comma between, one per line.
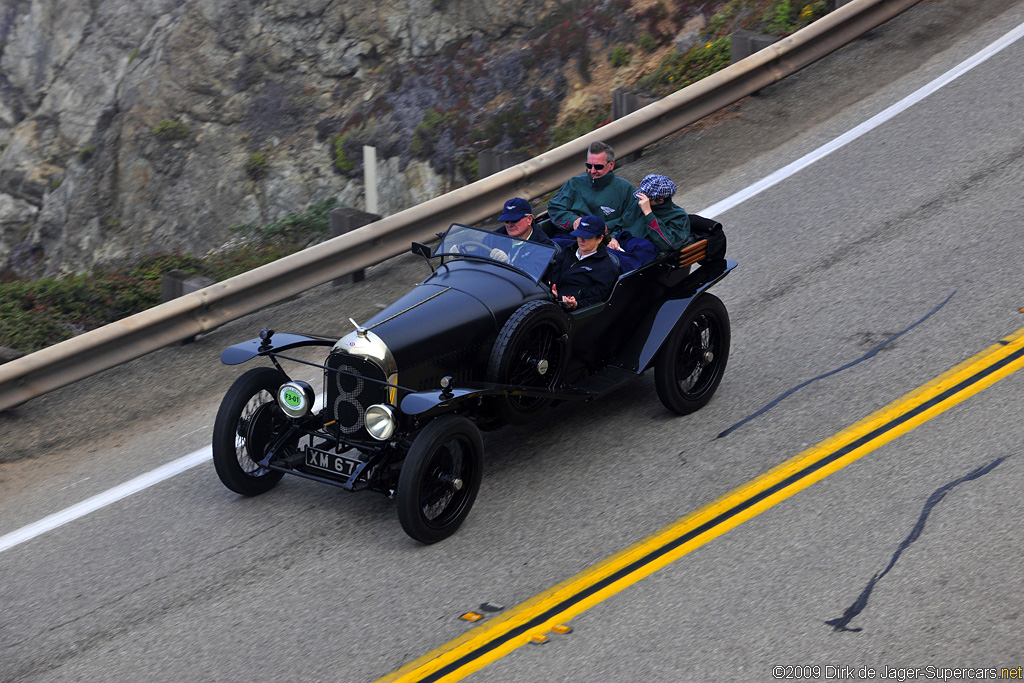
x=349, y=393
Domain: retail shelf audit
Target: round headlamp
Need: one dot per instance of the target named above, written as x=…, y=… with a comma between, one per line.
x=380, y=421
x=296, y=398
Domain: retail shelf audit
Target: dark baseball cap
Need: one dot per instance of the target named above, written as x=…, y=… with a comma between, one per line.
x=590, y=226
x=515, y=209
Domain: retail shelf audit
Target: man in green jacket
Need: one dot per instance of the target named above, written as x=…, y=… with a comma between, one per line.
x=597, y=192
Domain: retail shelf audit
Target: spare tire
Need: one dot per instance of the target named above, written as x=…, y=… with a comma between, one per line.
x=531, y=350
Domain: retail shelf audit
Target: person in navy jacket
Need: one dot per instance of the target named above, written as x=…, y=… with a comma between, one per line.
x=586, y=275
x=517, y=219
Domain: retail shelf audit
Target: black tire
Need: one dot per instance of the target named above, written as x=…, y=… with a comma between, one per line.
x=440, y=478
x=689, y=367
x=248, y=420
x=531, y=350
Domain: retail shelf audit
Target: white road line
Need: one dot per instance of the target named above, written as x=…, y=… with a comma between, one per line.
x=189, y=461
x=869, y=125
x=104, y=499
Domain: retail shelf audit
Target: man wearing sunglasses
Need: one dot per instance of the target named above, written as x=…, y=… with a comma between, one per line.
x=597, y=192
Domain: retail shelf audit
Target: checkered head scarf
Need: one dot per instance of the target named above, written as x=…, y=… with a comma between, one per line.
x=657, y=186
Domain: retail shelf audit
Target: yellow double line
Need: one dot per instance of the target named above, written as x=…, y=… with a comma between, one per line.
x=495, y=639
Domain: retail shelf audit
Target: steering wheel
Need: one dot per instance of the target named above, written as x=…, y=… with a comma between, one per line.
x=471, y=247
x=475, y=248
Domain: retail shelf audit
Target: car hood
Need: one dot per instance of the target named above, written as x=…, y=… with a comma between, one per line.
x=461, y=306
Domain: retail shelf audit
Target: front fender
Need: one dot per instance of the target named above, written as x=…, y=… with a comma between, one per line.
x=239, y=353
x=654, y=329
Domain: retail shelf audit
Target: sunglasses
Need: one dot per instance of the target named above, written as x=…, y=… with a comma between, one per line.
x=596, y=167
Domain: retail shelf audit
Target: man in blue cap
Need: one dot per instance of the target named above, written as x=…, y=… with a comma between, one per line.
x=517, y=217
x=586, y=275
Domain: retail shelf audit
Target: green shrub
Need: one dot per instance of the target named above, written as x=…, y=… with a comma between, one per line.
x=678, y=71
x=86, y=153
x=619, y=56
x=648, y=42
x=169, y=130
x=298, y=228
x=256, y=167
x=470, y=166
x=428, y=131
x=781, y=17
x=576, y=126
x=813, y=12
x=341, y=160
x=40, y=313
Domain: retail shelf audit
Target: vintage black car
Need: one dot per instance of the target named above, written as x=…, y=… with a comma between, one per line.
x=479, y=343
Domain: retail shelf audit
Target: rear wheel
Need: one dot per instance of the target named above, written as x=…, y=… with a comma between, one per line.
x=531, y=350
x=689, y=367
x=248, y=421
x=440, y=478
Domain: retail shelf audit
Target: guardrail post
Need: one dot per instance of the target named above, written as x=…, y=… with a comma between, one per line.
x=743, y=43
x=491, y=161
x=179, y=283
x=343, y=220
x=626, y=101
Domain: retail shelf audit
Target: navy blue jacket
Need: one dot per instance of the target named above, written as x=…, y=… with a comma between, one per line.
x=589, y=281
x=536, y=236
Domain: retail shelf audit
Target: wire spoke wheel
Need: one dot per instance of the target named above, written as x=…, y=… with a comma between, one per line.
x=690, y=365
x=440, y=478
x=247, y=423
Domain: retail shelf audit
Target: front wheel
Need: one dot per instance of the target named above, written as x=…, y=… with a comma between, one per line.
x=440, y=478
x=689, y=367
x=248, y=421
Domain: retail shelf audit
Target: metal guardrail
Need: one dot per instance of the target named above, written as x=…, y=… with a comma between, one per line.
x=209, y=308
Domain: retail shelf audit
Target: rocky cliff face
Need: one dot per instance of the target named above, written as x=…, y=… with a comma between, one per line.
x=130, y=127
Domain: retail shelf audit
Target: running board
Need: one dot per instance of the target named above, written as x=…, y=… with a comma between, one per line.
x=604, y=381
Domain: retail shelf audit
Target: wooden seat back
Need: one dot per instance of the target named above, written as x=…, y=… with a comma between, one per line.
x=692, y=253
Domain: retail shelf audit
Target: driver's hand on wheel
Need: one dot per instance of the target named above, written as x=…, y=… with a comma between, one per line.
x=499, y=255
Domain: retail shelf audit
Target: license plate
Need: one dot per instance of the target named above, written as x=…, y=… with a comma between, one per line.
x=330, y=462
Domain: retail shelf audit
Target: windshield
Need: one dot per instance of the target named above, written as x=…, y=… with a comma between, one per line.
x=530, y=258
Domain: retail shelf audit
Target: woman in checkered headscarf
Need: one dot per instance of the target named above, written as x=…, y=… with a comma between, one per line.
x=666, y=225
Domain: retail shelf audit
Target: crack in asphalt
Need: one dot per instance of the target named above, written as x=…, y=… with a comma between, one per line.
x=870, y=354
x=840, y=624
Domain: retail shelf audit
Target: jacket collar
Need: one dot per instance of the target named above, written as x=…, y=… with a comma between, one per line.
x=604, y=181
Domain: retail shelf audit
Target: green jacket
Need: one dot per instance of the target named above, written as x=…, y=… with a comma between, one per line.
x=609, y=197
x=668, y=226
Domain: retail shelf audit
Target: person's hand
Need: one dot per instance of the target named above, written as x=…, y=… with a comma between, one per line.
x=614, y=244
x=499, y=255
x=576, y=223
x=644, y=201
x=569, y=302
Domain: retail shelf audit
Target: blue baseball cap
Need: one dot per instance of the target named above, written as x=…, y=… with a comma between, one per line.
x=590, y=226
x=515, y=209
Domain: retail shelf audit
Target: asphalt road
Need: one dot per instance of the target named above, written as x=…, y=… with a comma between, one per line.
x=895, y=258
